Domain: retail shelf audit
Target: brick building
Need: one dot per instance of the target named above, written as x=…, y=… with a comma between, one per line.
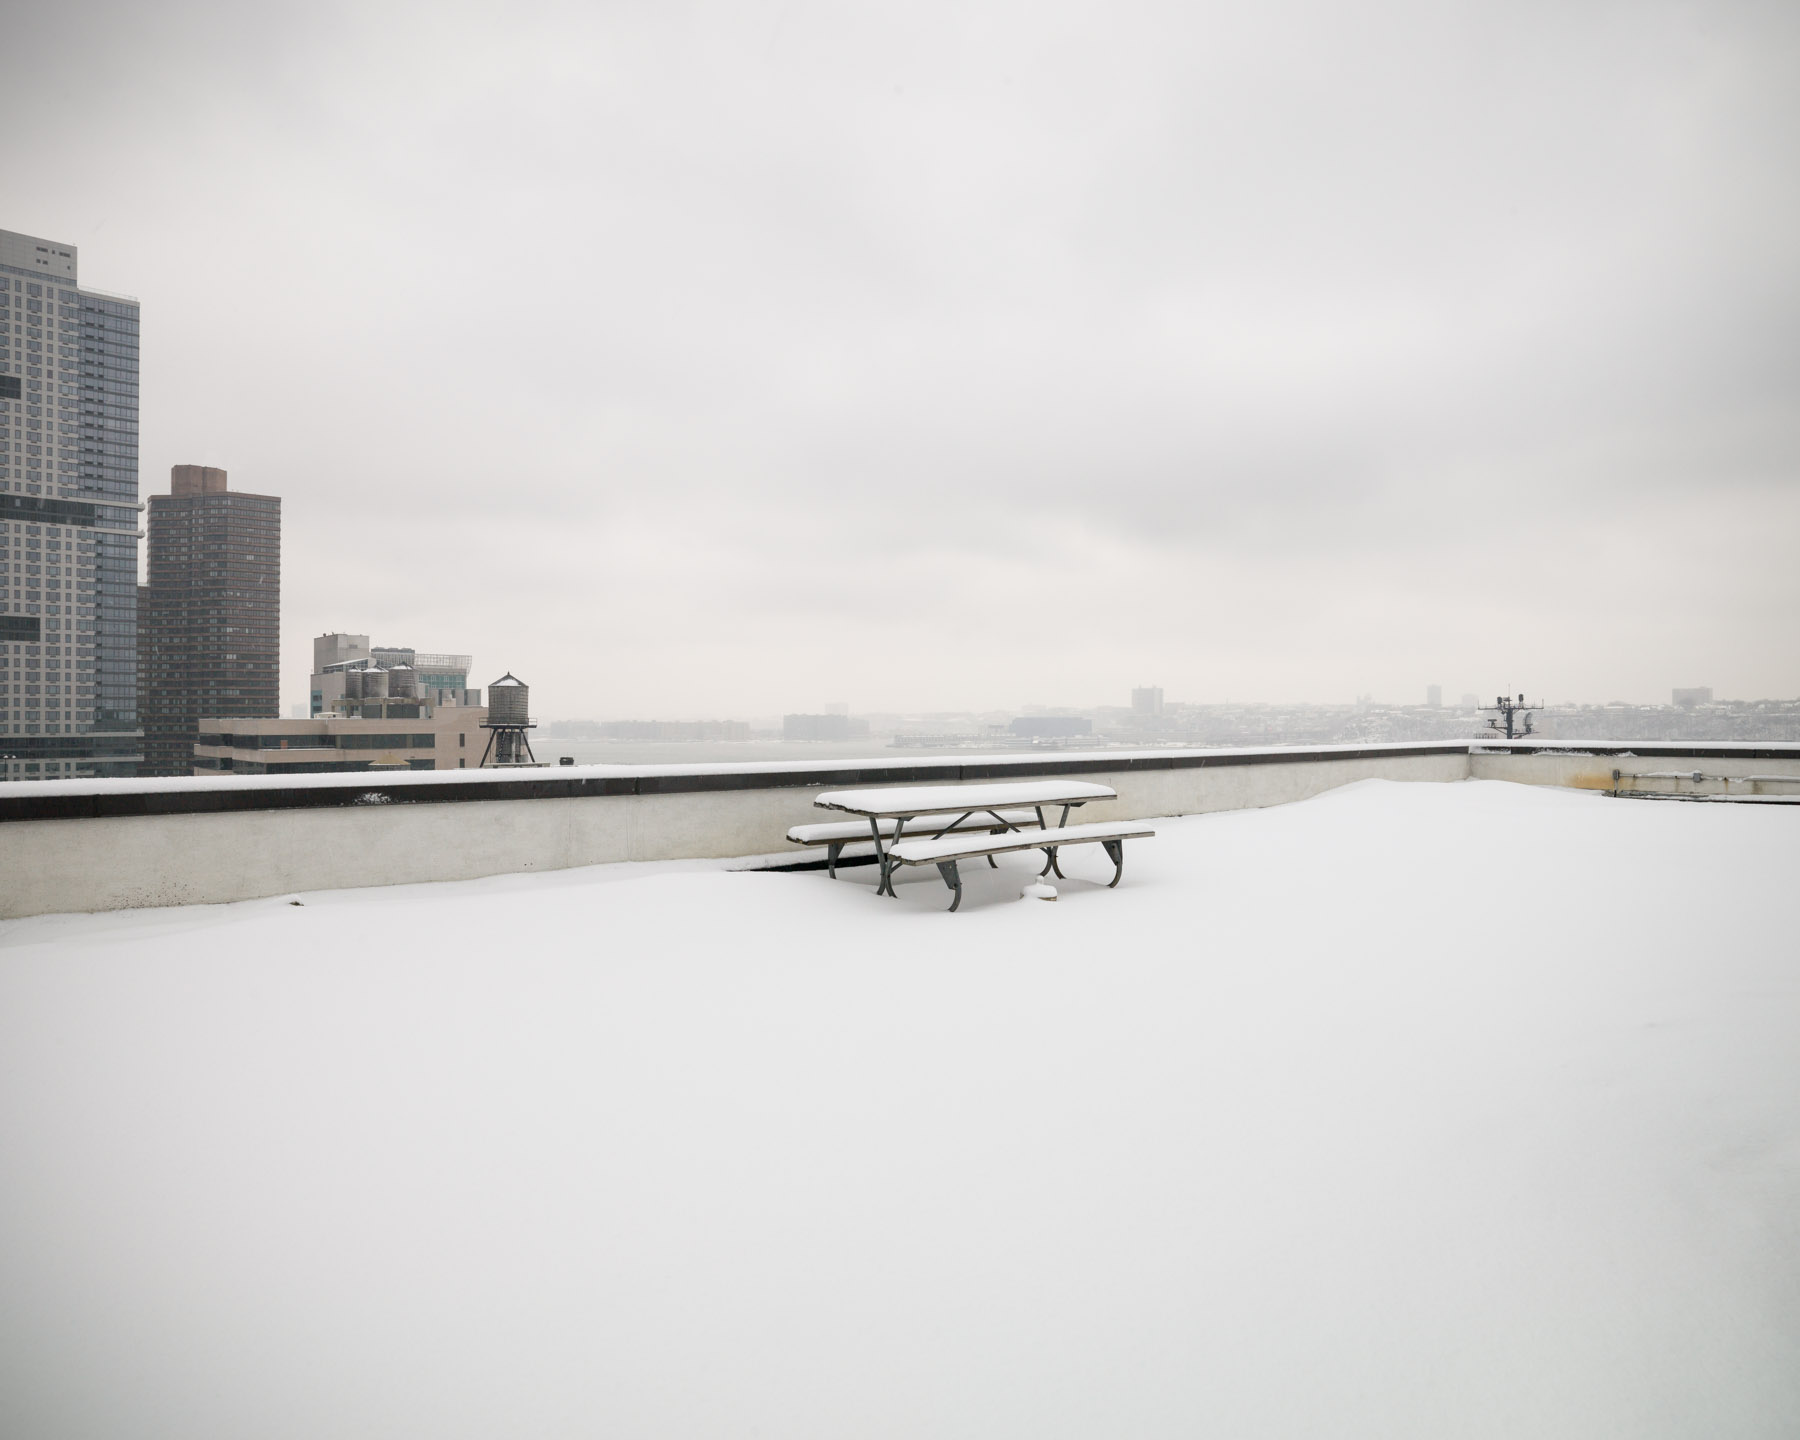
x=209, y=621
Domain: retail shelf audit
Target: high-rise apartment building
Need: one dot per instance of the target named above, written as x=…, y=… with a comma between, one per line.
x=209, y=621
x=68, y=518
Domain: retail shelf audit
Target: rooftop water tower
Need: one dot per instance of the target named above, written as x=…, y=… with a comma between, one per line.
x=509, y=720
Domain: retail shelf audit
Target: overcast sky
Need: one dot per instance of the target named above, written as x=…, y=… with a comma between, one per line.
x=694, y=360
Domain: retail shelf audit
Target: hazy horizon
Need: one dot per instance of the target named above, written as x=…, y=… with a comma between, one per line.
x=725, y=361
x=1451, y=702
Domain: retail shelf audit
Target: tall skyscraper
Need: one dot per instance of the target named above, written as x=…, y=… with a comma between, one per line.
x=68, y=519
x=209, y=621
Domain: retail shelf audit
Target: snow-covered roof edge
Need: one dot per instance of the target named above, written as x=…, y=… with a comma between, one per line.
x=876, y=768
x=835, y=768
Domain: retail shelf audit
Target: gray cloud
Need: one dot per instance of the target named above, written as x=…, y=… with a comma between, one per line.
x=969, y=355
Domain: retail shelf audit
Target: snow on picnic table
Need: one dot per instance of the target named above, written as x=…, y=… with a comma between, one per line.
x=919, y=799
x=1411, y=1110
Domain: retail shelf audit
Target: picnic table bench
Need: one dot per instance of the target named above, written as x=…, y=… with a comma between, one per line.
x=946, y=852
x=836, y=834
x=983, y=822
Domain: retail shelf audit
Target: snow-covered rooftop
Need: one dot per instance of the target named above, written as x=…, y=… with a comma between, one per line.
x=1410, y=1110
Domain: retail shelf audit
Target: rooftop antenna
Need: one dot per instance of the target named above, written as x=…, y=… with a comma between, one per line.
x=1511, y=717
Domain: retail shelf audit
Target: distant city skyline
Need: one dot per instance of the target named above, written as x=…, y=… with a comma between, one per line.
x=688, y=362
x=1677, y=697
x=1178, y=725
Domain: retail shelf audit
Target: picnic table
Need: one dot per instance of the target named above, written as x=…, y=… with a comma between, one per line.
x=951, y=811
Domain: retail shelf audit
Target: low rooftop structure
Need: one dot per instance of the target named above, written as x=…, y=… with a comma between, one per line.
x=340, y=659
x=389, y=735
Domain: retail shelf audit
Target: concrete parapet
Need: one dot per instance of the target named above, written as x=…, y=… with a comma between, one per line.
x=107, y=845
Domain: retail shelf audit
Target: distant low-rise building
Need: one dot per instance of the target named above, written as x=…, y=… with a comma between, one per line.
x=1048, y=727
x=393, y=735
x=682, y=730
x=823, y=727
x=1698, y=695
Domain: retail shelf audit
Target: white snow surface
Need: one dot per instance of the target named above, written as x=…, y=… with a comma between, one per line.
x=1408, y=1111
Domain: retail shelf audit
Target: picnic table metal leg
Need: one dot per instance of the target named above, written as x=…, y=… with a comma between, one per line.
x=1000, y=828
x=947, y=868
x=1050, y=850
x=881, y=860
x=953, y=824
x=887, y=866
x=1115, y=852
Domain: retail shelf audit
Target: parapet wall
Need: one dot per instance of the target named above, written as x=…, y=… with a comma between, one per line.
x=1592, y=767
x=81, y=845
x=88, y=845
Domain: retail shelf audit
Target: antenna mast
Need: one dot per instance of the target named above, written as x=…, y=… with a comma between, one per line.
x=1511, y=717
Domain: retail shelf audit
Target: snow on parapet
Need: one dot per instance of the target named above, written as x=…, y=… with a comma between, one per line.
x=1097, y=760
